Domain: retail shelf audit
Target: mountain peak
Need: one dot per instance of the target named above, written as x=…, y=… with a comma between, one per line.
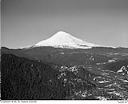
x=64, y=40
x=62, y=34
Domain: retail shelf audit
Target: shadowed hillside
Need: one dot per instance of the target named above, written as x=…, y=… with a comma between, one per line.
x=26, y=79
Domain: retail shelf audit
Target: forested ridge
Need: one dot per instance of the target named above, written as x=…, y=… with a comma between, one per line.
x=27, y=79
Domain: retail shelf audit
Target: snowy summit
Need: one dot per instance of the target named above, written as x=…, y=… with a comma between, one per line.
x=65, y=40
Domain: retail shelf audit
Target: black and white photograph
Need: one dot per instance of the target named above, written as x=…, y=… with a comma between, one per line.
x=75, y=50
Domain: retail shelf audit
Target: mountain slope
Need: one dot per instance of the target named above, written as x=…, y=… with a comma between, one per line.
x=65, y=40
x=27, y=79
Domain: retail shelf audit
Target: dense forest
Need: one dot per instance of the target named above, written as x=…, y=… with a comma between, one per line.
x=27, y=79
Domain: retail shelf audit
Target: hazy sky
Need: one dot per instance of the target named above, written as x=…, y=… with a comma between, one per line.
x=26, y=22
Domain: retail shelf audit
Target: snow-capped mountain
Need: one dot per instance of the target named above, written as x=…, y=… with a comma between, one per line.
x=65, y=40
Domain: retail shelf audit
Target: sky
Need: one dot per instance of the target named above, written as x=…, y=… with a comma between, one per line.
x=26, y=22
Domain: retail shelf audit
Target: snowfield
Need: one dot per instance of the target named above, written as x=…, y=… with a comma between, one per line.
x=65, y=40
